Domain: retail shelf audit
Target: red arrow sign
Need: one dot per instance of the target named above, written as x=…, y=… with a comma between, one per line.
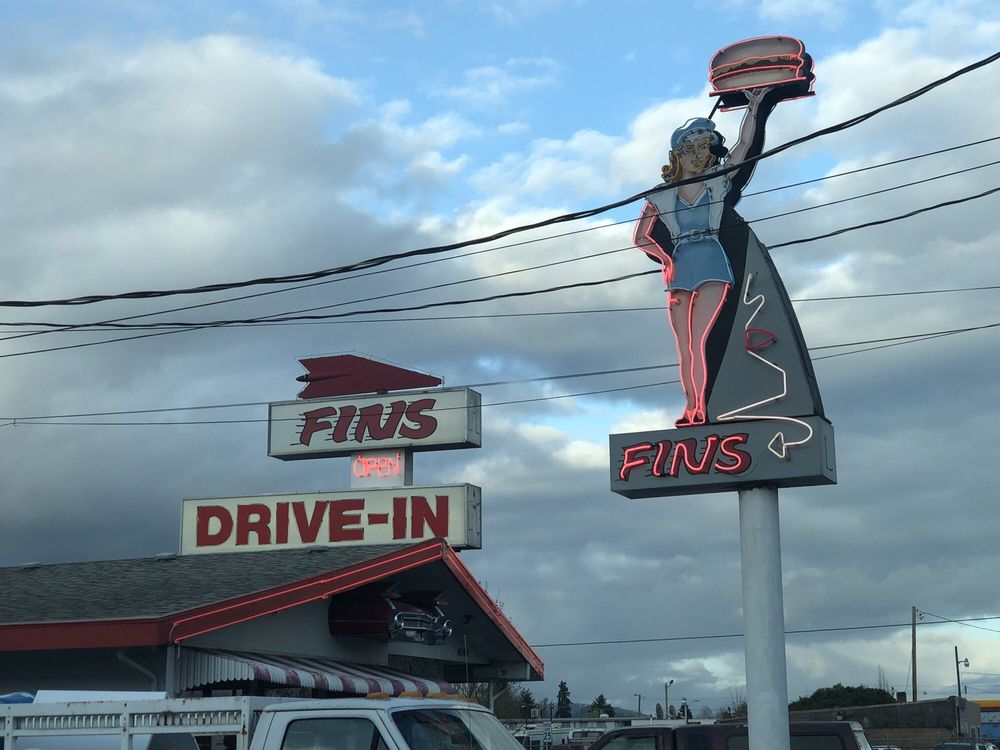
x=349, y=374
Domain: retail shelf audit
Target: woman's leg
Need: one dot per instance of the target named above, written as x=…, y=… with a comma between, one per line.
x=679, y=312
x=705, y=305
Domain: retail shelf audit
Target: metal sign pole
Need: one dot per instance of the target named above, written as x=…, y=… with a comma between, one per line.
x=763, y=619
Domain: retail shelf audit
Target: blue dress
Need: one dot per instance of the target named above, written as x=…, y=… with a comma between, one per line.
x=698, y=256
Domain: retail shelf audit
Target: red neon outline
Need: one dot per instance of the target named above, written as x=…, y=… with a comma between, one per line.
x=801, y=77
x=677, y=342
x=684, y=446
x=151, y=632
x=801, y=50
x=205, y=612
x=666, y=264
x=663, y=448
x=744, y=460
x=629, y=462
x=454, y=563
x=700, y=387
x=296, y=603
x=795, y=68
x=769, y=338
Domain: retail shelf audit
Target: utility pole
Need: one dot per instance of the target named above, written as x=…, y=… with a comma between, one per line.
x=958, y=698
x=638, y=708
x=913, y=651
x=666, y=698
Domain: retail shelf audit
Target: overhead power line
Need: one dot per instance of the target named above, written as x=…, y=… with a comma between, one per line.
x=437, y=249
x=61, y=328
x=881, y=344
x=118, y=324
x=177, y=326
x=800, y=631
x=539, y=313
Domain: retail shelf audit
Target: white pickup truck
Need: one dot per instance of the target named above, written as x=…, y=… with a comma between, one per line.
x=372, y=723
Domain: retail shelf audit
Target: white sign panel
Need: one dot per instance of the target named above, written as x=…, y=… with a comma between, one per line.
x=421, y=420
x=333, y=519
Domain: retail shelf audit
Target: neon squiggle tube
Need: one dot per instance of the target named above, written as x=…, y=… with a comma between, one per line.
x=777, y=445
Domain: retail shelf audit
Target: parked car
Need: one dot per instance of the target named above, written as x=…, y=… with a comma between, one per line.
x=964, y=745
x=811, y=735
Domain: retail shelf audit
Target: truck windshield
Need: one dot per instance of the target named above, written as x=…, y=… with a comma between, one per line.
x=453, y=729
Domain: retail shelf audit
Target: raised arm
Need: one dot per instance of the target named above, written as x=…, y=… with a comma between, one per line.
x=748, y=129
x=751, y=141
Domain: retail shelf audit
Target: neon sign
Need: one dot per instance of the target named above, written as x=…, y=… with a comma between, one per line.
x=382, y=466
x=751, y=401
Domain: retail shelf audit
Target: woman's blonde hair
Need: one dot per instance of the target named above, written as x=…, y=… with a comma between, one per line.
x=671, y=170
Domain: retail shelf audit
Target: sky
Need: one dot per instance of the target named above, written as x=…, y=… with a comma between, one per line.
x=161, y=145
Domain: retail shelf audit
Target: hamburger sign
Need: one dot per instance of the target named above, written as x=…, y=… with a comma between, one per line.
x=752, y=411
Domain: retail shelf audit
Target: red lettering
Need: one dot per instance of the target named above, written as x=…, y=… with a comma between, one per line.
x=437, y=521
x=370, y=421
x=309, y=528
x=254, y=518
x=204, y=536
x=662, y=452
x=685, y=451
x=425, y=423
x=281, y=523
x=344, y=423
x=728, y=448
x=399, y=518
x=631, y=461
x=341, y=517
x=315, y=421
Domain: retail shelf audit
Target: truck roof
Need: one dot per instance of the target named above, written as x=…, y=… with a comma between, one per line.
x=295, y=704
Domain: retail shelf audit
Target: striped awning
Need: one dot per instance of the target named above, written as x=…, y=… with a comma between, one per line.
x=202, y=667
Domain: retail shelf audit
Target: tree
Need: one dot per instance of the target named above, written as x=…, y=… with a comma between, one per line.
x=842, y=696
x=671, y=712
x=564, y=706
x=514, y=704
x=684, y=712
x=477, y=691
x=601, y=706
x=659, y=711
x=527, y=701
x=737, y=705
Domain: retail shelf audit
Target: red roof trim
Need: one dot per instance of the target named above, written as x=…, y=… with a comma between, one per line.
x=484, y=600
x=91, y=634
x=181, y=626
x=184, y=625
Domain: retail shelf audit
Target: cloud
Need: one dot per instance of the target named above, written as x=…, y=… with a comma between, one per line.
x=828, y=12
x=174, y=163
x=492, y=86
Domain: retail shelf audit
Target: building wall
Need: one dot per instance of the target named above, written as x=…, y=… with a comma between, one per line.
x=911, y=726
x=90, y=669
x=301, y=630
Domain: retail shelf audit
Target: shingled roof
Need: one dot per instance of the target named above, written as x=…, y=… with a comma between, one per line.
x=154, y=587
x=170, y=599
